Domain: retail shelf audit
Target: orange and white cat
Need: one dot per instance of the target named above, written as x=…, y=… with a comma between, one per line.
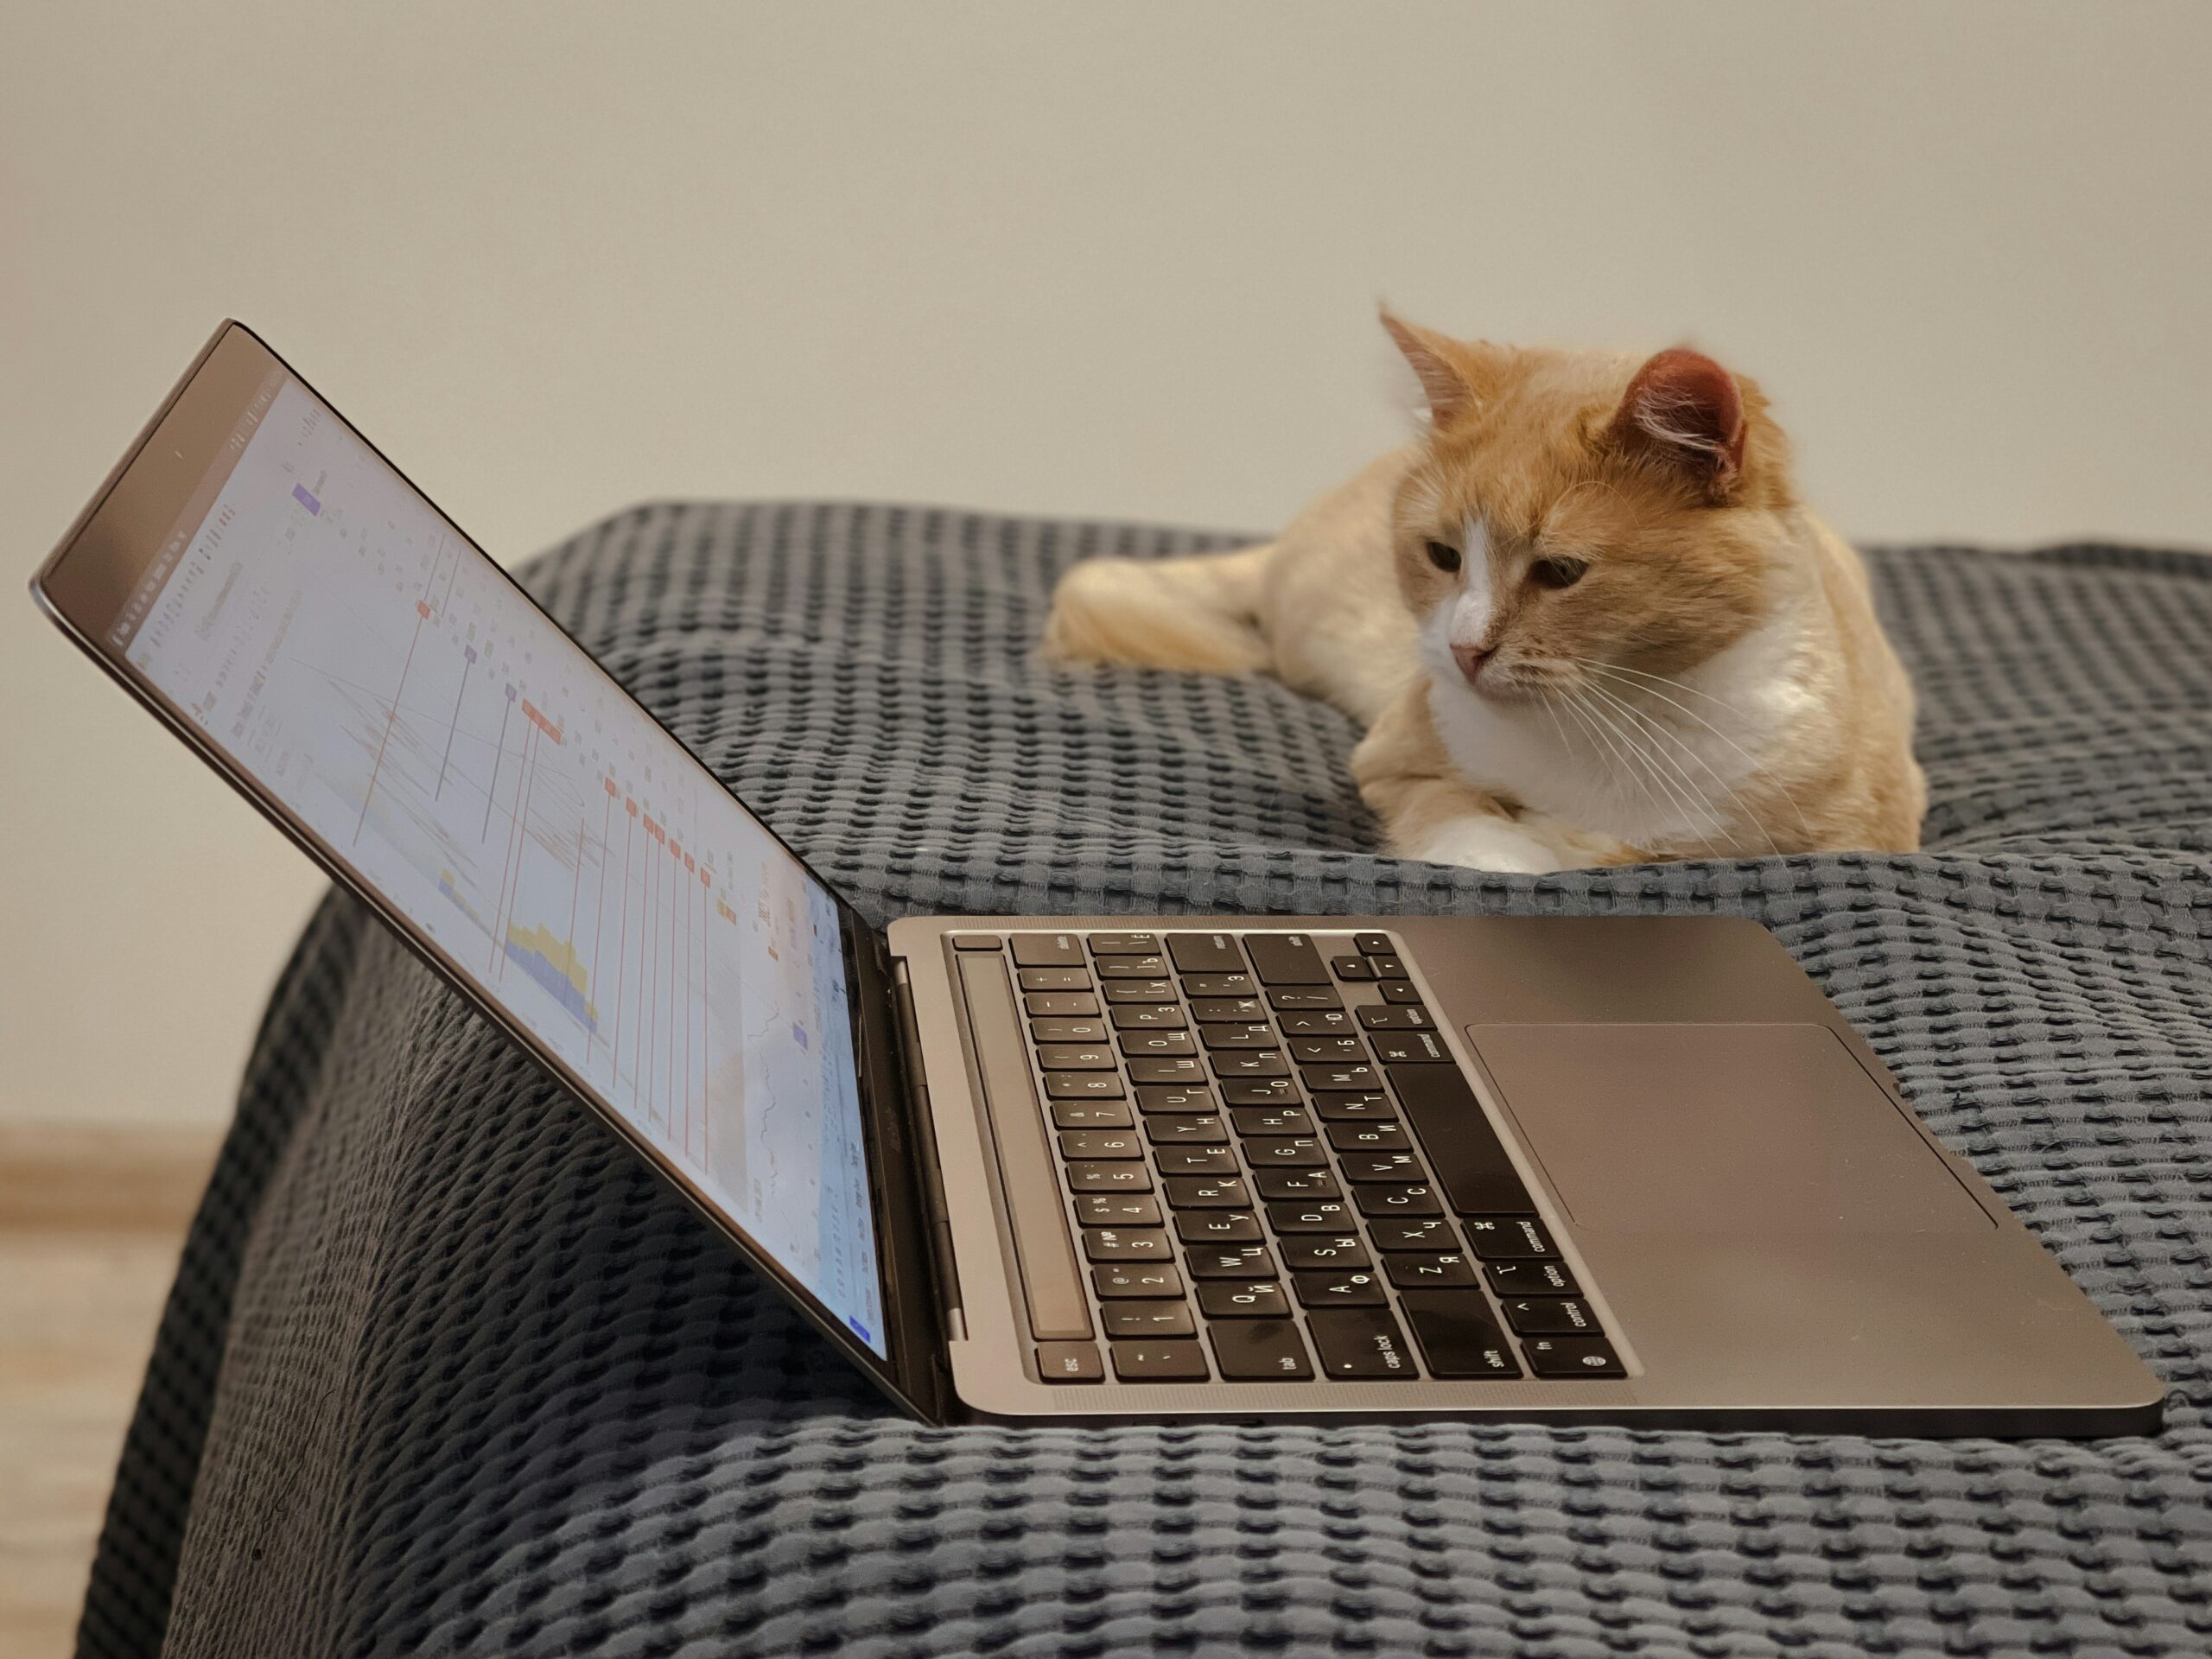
x=1585, y=619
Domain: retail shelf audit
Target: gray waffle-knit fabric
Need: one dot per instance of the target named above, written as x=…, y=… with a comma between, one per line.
x=446, y=1371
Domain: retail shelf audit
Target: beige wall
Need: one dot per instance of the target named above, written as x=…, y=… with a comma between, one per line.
x=1115, y=260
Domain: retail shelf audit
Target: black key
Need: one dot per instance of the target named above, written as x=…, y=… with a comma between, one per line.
x=974, y=941
x=1148, y=1319
x=1101, y=1143
x=1402, y=992
x=1551, y=1316
x=1083, y=1086
x=1441, y=1267
x=1152, y=1361
x=1069, y=1362
x=1315, y=1022
x=1137, y=990
x=1285, y=959
x=1258, y=1091
x=1222, y=1036
x=1323, y=1079
x=1464, y=1151
x=1339, y=1288
x=1146, y=1016
x=1117, y=1210
x=1456, y=1334
x=1368, y=1137
x=1295, y=1152
x=1508, y=1238
x=1238, y=984
x=1330, y=1250
x=1165, y=1129
x=1258, y=1299
x=1138, y=1279
x=1409, y=1016
x=1204, y=953
x=1132, y=968
x=1156, y=1042
x=1410, y=1048
x=1068, y=1031
x=1254, y=1351
x=1290, y=1001
x=1372, y=944
x=1037, y=1003
x=1572, y=1357
x=1195, y=1161
x=1412, y=1233
x=1511, y=1278
x=1055, y=979
x=1122, y=945
x=1319, y=1051
x=1160, y=1068
x=1271, y=1120
x=1360, y=1342
x=1126, y=1244
x=1361, y=1168
x=1089, y=1114
x=1230, y=1261
x=1231, y=1010
x=1206, y=1193
x=1161, y=1097
x=1352, y=968
x=1387, y=966
x=1108, y=1177
x=1074, y=1056
x=1047, y=950
x=1313, y=1216
x=1248, y=1062
x=1358, y=1106
x=1400, y=1200
x=1218, y=1227
x=1297, y=1184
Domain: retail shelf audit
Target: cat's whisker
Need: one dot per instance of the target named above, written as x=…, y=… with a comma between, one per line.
x=1687, y=802
x=1623, y=674
x=1682, y=793
x=1660, y=731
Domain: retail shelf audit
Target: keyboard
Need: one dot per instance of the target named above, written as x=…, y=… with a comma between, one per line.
x=1251, y=1157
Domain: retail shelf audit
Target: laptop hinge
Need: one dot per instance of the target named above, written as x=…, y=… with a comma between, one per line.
x=925, y=1138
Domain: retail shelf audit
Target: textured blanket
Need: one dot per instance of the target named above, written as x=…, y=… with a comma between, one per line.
x=447, y=1371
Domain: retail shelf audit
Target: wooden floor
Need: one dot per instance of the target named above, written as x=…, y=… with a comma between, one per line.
x=91, y=1222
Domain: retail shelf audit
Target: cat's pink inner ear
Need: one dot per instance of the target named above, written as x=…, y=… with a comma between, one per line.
x=1688, y=405
x=1447, y=389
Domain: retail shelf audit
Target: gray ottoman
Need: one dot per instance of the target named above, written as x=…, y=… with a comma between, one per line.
x=446, y=1371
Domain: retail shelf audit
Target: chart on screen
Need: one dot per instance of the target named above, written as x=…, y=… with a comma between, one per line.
x=380, y=677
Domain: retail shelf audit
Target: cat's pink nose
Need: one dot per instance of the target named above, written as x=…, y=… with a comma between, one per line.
x=1470, y=659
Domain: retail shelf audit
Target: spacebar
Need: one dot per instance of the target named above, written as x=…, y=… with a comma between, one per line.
x=1463, y=1149
x=1042, y=1249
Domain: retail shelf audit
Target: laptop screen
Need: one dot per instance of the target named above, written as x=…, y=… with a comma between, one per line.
x=379, y=677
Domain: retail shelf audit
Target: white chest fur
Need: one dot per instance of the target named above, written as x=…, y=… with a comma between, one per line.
x=1661, y=764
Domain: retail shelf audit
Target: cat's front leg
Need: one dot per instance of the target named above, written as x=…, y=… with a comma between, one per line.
x=1479, y=842
x=1429, y=810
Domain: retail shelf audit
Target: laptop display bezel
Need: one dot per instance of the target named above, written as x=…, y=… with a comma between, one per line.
x=102, y=560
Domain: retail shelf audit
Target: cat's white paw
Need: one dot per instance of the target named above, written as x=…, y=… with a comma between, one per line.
x=1487, y=844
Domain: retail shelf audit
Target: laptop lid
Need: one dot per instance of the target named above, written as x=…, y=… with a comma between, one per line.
x=284, y=599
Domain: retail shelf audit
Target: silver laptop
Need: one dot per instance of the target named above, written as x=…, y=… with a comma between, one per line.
x=1601, y=1170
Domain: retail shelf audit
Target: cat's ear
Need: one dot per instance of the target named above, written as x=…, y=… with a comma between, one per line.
x=1684, y=407
x=1454, y=375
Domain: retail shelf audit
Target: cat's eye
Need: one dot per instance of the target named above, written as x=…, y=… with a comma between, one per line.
x=1556, y=573
x=1444, y=555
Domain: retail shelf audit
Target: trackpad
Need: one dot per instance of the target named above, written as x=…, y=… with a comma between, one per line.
x=1773, y=1131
